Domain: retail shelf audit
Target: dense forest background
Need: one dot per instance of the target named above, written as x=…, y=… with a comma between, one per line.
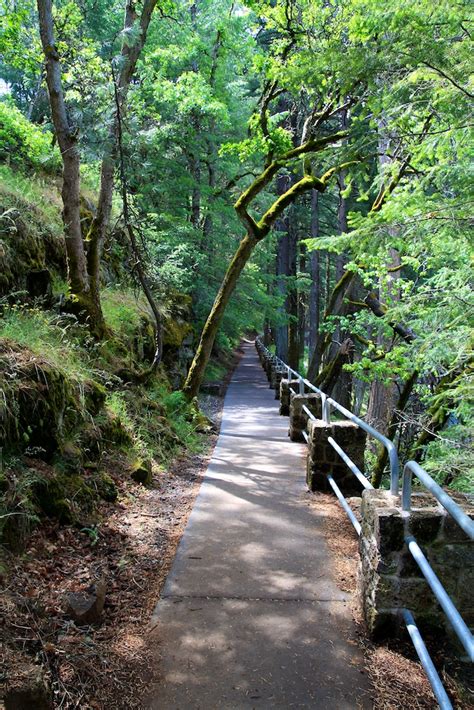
x=178, y=174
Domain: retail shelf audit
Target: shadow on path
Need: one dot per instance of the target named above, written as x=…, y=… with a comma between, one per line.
x=250, y=616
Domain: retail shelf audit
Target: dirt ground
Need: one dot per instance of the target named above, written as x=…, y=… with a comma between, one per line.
x=98, y=666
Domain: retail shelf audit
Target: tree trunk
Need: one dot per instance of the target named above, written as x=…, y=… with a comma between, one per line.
x=142, y=277
x=195, y=170
x=302, y=306
x=292, y=313
x=256, y=232
x=343, y=389
x=331, y=373
x=67, y=140
x=196, y=371
x=383, y=396
x=282, y=270
x=382, y=459
x=129, y=59
x=211, y=152
x=315, y=291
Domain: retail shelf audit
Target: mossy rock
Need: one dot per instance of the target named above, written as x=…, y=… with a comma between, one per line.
x=105, y=487
x=42, y=405
x=69, y=458
x=91, y=442
x=141, y=472
x=50, y=498
x=65, y=497
x=94, y=397
x=27, y=244
x=175, y=332
x=114, y=431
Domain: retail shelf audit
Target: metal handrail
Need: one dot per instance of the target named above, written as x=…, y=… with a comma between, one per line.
x=455, y=618
x=328, y=402
x=389, y=445
x=356, y=471
x=425, y=659
x=344, y=503
x=412, y=467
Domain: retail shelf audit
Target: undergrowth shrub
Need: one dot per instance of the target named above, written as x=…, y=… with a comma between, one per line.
x=24, y=144
x=122, y=310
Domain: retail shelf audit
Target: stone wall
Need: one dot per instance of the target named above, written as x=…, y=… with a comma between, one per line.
x=278, y=374
x=298, y=417
x=389, y=577
x=286, y=388
x=323, y=459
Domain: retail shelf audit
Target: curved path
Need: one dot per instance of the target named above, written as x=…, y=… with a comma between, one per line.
x=250, y=616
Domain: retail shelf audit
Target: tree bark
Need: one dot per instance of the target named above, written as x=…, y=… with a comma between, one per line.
x=292, y=312
x=333, y=307
x=302, y=304
x=343, y=388
x=382, y=459
x=315, y=290
x=280, y=329
x=142, y=277
x=203, y=353
x=129, y=59
x=330, y=374
x=67, y=139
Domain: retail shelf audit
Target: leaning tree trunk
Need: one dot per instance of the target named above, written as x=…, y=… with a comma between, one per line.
x=302, y=304
x=256, y=232
x=343, y=389
x=203, y=353
x=382, y=458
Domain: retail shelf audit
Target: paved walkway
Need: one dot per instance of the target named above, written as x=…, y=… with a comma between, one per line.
x=250, y=616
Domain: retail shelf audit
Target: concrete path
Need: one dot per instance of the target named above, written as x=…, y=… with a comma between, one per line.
x=250, y=616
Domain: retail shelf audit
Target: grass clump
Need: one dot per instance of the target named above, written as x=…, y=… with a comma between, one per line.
x=123, y=310
x=38, y=198
x=48, y=335
x=159, y=423
x=215, y=372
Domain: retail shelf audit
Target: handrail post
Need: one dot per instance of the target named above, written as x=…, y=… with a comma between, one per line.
x=326, y=409
x=394, y=466
x=406, y=488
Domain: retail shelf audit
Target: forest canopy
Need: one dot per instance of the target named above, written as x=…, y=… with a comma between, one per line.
x=299, y=168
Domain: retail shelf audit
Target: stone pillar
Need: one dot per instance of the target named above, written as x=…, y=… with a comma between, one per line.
x=323, y=459
x=299, y=418
x=277, y=375
x=286, y=388
x=390, y=579
x=270, y=364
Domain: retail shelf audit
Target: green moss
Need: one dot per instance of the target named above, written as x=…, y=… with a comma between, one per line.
x=175, y=332
x=105, y=487
x=30, y=230
x=141, y=471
